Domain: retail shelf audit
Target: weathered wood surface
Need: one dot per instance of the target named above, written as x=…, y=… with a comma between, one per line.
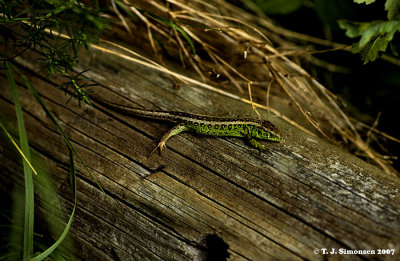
x=300, y=195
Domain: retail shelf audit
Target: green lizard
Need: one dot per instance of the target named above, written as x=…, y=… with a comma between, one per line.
x=248, y=129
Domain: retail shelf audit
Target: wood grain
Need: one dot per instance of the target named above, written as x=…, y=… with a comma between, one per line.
x=300, y=195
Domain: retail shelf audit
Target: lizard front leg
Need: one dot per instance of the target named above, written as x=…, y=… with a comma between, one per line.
x=172, y=132
x=253, y=142
x=256, y=144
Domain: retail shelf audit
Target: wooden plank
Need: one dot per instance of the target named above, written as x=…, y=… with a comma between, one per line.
x=300, y=195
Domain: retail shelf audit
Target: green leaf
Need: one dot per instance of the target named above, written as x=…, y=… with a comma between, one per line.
x=393, y=7
x=375, y=36
x=367, y=2
x=279, y=6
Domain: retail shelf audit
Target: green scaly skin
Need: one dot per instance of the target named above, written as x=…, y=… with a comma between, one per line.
x=249, y=129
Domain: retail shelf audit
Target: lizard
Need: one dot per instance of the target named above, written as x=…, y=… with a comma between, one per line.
x=250, y=129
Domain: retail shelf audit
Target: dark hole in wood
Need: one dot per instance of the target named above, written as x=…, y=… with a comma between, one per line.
x=212, y=248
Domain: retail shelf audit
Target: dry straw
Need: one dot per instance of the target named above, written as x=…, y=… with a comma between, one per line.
x=242, y=54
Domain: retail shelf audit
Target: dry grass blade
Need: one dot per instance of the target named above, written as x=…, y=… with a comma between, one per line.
x=120, y=16
x=220, y=40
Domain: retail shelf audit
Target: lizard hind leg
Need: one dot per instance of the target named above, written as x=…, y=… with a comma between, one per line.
x=172, y=132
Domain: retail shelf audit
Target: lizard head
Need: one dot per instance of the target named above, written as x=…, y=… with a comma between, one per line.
x=266, y=131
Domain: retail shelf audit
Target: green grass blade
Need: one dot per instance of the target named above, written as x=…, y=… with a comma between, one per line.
x=48, y=251
x=180, y=30
x=29, y=193
x=65, y=137
x=72, y=151
x=18, y=149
